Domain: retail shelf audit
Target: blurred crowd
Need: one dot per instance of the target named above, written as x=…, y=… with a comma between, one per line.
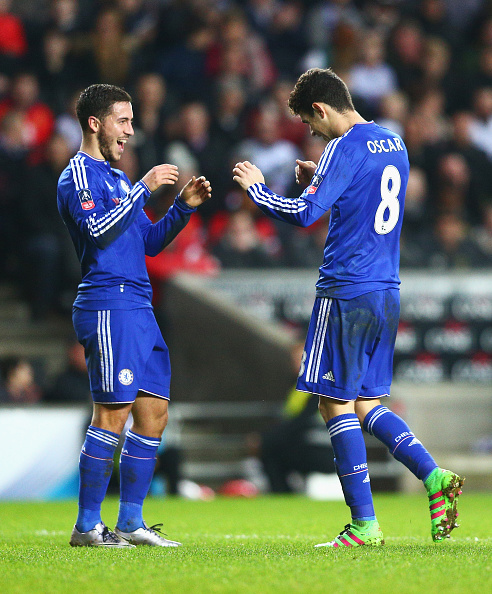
x=210, y=81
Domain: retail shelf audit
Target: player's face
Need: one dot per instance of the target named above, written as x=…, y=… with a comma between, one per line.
x=319, y=126
x=115, y=130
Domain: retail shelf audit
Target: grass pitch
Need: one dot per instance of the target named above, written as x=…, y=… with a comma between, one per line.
x=262, y=545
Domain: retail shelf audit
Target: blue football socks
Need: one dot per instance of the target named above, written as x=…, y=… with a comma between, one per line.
x=348, y=444
x=137, y=464
x=402, y=443
x=95, y=467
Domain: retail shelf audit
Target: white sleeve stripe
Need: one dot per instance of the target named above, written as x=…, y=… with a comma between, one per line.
x=277, y=202
x=131, y=196
x=327, y=156
x=321, y=163
x=103, y=220
x=96, y=228
x=80, y=170
x=84, y=173
x=73, y=165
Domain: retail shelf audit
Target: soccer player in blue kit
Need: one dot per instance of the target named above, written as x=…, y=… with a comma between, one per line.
x=127, y=358
x=348, y=358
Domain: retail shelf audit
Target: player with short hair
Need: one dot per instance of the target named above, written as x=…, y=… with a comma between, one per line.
x=348, y=358
x=127, y=358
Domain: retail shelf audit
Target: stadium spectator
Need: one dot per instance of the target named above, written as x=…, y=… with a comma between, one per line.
x=371, y=78
x=267, y=148
x=416, y=221
x=13, y=39
x=241, y=245
x=450, y=247
x=184, y=65
x=286, y=36
x=67, y=125
x=37, y=117
x=240, y=53
x=71, y=385
x=482, y=234
x=480, y=171
x=208, y=148
x=405, y=54
x=13, y=155
x=154, y=108
x=50, y=267
x=394, y=112
x=70, y=16
x=229, y=117
x=19, y=384
x=109, y=48
x=291, y=128
x=481, y=124
x=56, y=65
x=324, y=22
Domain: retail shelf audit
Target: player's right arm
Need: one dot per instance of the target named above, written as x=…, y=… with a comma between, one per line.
x=296, y=211
x=86, y=206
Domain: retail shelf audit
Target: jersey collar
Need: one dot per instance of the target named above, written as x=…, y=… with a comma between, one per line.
x=99, y=161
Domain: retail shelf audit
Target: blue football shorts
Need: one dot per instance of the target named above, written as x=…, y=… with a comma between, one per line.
x=350, y=345
x=124, y=352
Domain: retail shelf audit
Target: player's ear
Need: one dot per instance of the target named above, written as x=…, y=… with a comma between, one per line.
x=94, y=123
x=318, y=109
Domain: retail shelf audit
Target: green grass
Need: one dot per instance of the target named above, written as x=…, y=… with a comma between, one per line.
x=263, y=545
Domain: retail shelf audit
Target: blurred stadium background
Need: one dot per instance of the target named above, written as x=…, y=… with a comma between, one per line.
x=233, y=293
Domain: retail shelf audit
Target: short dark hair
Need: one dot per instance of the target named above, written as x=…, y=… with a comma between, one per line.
x=98, y=100
x=321, y=85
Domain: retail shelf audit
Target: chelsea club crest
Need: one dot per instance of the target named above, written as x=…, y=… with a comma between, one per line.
x=125, y=376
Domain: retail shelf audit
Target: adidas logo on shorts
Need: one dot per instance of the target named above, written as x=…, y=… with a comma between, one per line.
x=329, y=376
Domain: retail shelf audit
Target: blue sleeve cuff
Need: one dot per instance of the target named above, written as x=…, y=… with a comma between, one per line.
x=179, y=202
x=146, y=187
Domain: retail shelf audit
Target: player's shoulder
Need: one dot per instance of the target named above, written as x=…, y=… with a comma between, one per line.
x=80, y=174
x=371, y=139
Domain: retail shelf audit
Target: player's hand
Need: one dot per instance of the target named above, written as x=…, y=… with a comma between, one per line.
x=160, y=175
x=196, y=192
x=304, y=172
x=246, y=174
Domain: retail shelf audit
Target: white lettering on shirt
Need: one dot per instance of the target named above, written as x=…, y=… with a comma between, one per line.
x=379, y=146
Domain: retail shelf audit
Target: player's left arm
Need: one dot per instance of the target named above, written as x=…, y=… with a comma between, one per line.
x=296, y=211
x=158, y=235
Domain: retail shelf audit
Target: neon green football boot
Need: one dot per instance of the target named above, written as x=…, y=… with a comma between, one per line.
x=357, y=534
x=443, y=489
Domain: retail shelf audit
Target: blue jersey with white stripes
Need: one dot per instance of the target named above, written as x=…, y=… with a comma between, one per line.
x=111, y=233
x=362, y=177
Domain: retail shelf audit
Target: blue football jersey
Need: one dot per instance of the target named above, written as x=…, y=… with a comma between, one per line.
x=362, y=176
x=111, y=233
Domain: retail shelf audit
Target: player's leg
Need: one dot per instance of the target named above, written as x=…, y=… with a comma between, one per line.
x=333, y=365
x=138, y=458
x=139, y=452
x=442, y=486
x=351, y=463
x=95, y=468
x=109, y=417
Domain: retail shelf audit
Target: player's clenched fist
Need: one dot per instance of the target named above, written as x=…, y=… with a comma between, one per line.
x=246, y=174
x=160, y=175
x=196, y=191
